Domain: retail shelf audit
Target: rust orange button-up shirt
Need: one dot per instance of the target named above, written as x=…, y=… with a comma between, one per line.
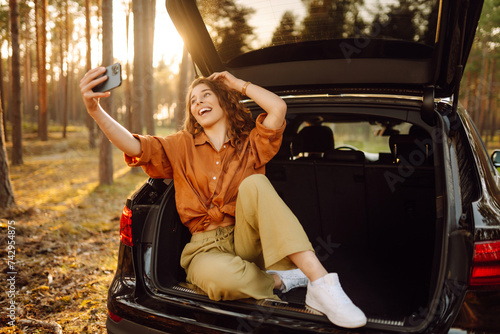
x=206, y=194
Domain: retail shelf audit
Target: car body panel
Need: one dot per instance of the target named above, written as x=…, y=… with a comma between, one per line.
x=487, y=208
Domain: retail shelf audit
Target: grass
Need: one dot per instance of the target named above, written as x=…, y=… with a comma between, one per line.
x=67, y=234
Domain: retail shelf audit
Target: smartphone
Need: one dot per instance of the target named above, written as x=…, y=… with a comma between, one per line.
x=114, y=73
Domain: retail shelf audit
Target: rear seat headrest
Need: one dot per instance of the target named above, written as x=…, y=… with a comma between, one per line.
x=414, y=148
x=313, y=139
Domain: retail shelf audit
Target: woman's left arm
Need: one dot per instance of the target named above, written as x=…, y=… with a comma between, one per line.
x=270, y=102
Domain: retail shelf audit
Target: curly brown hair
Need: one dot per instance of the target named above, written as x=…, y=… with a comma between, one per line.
x=239, y=118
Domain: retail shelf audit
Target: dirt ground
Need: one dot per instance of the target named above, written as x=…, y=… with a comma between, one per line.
x=66, y=237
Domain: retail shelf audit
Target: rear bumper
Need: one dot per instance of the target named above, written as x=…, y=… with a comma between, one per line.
x=181, y=315
x=137, y=318
x=125, y=326
x=178, y=314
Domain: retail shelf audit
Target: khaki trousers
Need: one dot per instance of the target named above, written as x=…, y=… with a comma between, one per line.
x=229, y=262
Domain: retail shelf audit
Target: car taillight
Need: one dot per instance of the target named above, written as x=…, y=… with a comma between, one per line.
x=126, y=226
x=486, y=265
x=114, y=317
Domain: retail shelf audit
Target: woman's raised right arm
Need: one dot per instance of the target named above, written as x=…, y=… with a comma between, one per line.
x=114, y=131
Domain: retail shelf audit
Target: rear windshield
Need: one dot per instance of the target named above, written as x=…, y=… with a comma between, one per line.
x=364, y=136
x=238, y=27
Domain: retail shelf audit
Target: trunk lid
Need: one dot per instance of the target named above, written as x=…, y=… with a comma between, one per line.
x=383, y=46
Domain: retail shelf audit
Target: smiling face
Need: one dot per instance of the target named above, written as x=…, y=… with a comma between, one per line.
x=205, y=107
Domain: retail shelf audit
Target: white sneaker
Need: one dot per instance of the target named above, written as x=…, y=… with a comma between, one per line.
x=329, y=299
x=290, y=279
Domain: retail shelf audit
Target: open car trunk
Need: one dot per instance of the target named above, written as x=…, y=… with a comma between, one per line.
x=368, y=205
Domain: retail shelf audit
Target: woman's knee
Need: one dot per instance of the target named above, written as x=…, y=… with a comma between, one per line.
x=212, y=269
x=254, y=183
x=219, y=279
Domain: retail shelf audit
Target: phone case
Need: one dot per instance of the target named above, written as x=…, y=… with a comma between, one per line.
x=114, y=73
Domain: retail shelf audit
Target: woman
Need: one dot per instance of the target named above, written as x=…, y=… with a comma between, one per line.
x=240, y=226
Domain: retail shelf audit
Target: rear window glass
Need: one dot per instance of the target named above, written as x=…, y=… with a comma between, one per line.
x=363, y=136
x=240, y=26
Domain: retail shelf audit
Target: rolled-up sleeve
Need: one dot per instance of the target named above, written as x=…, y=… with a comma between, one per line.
x=153, y=158
x=266, y=142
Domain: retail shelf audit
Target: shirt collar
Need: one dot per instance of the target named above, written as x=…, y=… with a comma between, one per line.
x=202, y=138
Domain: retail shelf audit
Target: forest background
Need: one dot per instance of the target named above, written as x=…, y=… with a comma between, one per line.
x=62, y=187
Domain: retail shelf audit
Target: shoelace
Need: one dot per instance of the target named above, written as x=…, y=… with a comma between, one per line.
x=339, y=293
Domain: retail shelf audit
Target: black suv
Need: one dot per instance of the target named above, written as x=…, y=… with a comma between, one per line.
x=384, y=169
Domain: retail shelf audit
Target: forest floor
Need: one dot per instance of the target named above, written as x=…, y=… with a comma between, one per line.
x=66, y=236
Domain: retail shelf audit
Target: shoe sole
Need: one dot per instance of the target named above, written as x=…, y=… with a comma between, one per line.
x=344, y=324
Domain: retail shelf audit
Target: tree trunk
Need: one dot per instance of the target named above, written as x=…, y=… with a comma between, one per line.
x=491, y=96
x=483, y=92
x=494, y=111
x=65, y=53
x=138, y=91
x=467, y=90
x=128, y=98
x=181, y=90
x=105, y=154
x=8, y=96
x=149, y=27
x=6, y=192
x=90, y=122
x=60, y=100
x=69, y=31
x=2, y=104
x=27, y=87
x=474, y=109
x=17, y=122
x=43, y=118
x=53, y=88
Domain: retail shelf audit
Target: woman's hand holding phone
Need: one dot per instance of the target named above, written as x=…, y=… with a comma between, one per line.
x=114, y=75
x=96, y=84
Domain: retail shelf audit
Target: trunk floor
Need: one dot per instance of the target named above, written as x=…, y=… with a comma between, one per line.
x=385, y=290
x=387, y=286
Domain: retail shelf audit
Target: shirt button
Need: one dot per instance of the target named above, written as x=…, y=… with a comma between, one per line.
x=216, y=162
x=224, y=146
x=215, y=177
